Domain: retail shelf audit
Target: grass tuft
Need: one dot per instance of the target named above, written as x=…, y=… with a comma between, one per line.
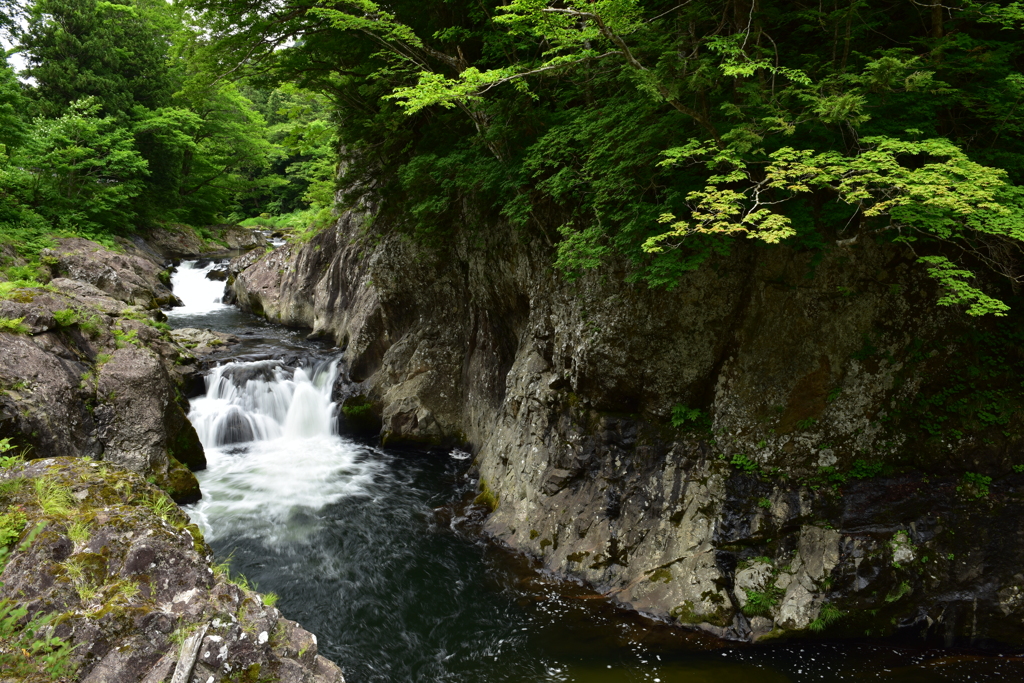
x=55, y=500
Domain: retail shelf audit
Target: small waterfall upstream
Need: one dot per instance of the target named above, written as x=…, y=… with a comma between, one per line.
x=200, y=294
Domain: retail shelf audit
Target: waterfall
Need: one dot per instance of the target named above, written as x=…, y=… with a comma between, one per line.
x=274, y=456
x=199, y=294
x=263, y=401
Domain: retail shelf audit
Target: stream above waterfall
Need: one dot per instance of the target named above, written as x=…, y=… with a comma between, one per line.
x=373, y=550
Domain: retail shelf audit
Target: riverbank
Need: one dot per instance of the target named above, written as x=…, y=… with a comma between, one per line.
x=103, y=577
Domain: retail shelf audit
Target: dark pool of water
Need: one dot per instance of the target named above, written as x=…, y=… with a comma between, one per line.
x=398, y=590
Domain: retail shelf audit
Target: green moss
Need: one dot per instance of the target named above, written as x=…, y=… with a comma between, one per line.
x=360, y=414
x=179, y=483
x=899, y=592
x=185, y=448
x=22, y=291
x=661, y=574
x=251, y=674
x=486, y=497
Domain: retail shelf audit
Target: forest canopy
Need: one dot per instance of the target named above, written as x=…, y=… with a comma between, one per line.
x=655, y=132
x=113, y=127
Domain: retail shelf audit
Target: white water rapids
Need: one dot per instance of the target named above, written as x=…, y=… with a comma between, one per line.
x=201, y=295
x=270, y=435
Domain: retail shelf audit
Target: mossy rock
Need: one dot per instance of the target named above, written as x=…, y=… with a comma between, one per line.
x=360, y=415
x=183, y=442
x=181, y=485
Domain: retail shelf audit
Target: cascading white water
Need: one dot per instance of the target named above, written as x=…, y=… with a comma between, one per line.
x=269, y=402
x=272, y=449
x=270, y=434
x=200, y=294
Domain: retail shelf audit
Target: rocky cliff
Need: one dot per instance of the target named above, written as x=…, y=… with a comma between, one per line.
x=789, y=441
x=88, y=367
x=102, y=578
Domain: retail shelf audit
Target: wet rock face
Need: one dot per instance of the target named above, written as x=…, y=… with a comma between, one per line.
x=697, y=453
x=94, y=376
x=131, y=586
x=202, y=342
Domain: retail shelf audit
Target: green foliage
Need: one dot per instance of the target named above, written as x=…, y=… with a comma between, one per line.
x=744, y=463
x=828, y=615
x=970, y=384
x=270, y=599
x=12, y=524
x=13, y=325
x=27, y=649
x=163, y=507
x=26, y=646
x=66, y=317
x=683, y=416
x=357, y=410
x=113, y=51
x=222, y=570
x=974, y=485
x=556, y=116
x=81, y=170
x=13, y=289
x=12, y=103
x=761, y=603
x=864, y=470
x=123, y=339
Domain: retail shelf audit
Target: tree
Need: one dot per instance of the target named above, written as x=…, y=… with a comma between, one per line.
x=801, y=122
x=82, y=170
x=205, y=156
x=113, y=51
x=12, y=107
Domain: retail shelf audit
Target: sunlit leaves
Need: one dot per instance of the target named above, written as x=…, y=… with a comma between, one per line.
x=928, y=188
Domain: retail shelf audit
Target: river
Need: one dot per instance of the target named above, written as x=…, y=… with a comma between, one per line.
x=366, y=548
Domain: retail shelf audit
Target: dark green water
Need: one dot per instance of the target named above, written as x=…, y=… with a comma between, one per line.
x=367, y=548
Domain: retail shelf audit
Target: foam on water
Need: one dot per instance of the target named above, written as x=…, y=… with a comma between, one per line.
x=201, y=295
x=270, y=434
x=272, y=449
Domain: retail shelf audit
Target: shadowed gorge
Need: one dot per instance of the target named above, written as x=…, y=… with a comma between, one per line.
x=515, y=340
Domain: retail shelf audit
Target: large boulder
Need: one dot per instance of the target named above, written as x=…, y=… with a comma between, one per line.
x=86, y=374
x=126, y=277
x=129, y=584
